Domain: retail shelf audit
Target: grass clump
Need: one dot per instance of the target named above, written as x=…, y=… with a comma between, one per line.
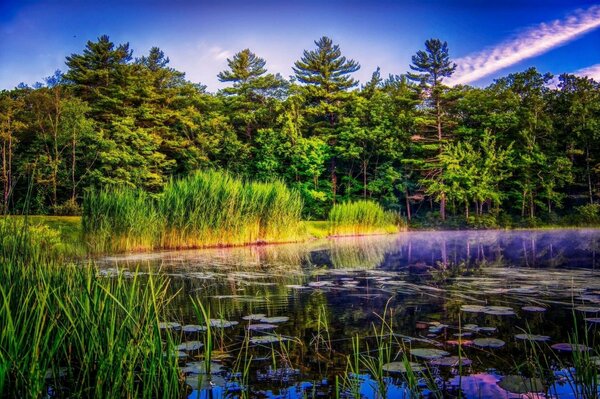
x=207, y=208
x=362, y=217
x=69, y=332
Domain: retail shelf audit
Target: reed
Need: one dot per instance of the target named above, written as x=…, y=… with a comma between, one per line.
x=69, y=331
x=362, y=217
x=207, y=208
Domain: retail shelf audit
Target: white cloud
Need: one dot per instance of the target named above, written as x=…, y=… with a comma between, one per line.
x=530, y=43
x=591, y=72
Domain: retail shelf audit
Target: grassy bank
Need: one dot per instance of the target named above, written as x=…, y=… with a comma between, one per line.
x=362, y=217
x=209, y=208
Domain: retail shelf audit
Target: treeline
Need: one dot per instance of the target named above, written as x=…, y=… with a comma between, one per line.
x=525, y=147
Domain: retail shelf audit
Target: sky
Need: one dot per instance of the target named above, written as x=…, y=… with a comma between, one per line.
x=486, y=39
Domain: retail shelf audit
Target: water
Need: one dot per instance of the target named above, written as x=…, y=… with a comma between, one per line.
x=435, y=290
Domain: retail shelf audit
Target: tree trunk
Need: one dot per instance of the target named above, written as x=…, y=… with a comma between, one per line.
x=408, y=215
x=364, y=172
x=589, y=175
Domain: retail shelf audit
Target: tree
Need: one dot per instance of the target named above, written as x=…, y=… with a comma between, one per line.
x=431, y=66
x=326, y=76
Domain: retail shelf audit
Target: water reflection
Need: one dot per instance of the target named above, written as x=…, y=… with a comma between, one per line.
x=437, y=290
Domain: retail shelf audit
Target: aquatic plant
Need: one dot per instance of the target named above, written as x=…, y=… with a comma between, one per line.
x=362, y=217
x=207, y=208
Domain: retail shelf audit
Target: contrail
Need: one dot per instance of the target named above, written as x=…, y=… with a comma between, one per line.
x=591, y=72
x=530, y=43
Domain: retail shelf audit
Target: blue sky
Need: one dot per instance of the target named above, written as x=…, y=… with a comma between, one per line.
x=198, y=36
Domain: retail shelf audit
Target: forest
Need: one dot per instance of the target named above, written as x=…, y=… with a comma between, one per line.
x=523, y=151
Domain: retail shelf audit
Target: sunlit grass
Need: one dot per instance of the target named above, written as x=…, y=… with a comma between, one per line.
x=363, y=217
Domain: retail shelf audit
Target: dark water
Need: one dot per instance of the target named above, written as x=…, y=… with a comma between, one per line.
x=415, y=285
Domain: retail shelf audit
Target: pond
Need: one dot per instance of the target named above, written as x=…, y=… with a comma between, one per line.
x=478, y=314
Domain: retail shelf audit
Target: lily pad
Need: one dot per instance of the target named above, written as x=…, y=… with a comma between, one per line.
x=567, y=347
x=220, y=323
x=190, y=346
x=169, y=325
x=319, y=284
x=588, y=309
x=532, y=337
x=254, y=317
x=402, y=367
x=270, y=320
x=200, y=368
x=267, y=339
x=592, y=319
x=428, y=353
x=261, y=327
x=472, y=308
x=536, y=309
x=193, y=328
x=521, y=385
x=489, y=342
x=451, y=361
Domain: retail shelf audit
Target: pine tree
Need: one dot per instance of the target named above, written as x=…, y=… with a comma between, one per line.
x=431, y=66
x=326, y=74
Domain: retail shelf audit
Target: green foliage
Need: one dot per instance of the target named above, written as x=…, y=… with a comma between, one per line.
x=519, y=147
x=362, y=217
x=208, y=208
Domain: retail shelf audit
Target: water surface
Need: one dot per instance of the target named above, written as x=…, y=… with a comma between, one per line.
x=435, y=290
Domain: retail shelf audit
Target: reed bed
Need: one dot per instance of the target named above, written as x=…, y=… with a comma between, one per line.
x=207, y=208
x=362, y=217
x=68, y=332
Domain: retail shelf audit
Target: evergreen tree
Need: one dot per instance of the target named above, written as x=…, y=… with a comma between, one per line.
x=430, y=67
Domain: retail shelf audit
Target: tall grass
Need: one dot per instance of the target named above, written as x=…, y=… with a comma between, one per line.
x=362, y=217
x=69, y=332
x=207, y=208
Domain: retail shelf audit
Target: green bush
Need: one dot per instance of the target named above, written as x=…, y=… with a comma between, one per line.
x=363, y=217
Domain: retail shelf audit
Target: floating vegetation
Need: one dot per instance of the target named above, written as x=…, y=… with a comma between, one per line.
x=588, y=309
x=451, y=361
x=221, y=323
x=521, y=385
x=254, y=317
x=169, y=325
x=493, y=343
x=534, y=309
x=274, y=320
x=193, y=328
x=532, y=337
x=428, y=353
x=491, y=310
x=261, y=327
x=567, y=347
x=190, y=346
x=402, y=367
x=267, y=339
x=200, y=368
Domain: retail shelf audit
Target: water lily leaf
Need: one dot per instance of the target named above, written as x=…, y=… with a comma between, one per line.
x=190, y=346
x=567, y=347
x=520, y=385
x=402, y=367
x=261, y=327
x=533, y=309
x=532, y=337
x=270, y=320
x=254, y=317
x=200, y=368
x=169, y=325
x=472, y=308
x=588, y=309
x=428, y=353
x=451, y=361
x=489, y=342
x=592, y=319
x=193, y=328
x=267, y=339
x=220, y=323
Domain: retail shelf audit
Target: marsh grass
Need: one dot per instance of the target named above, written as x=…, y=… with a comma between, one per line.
x=362, y=217
x=207, y=208
x=69, y=332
